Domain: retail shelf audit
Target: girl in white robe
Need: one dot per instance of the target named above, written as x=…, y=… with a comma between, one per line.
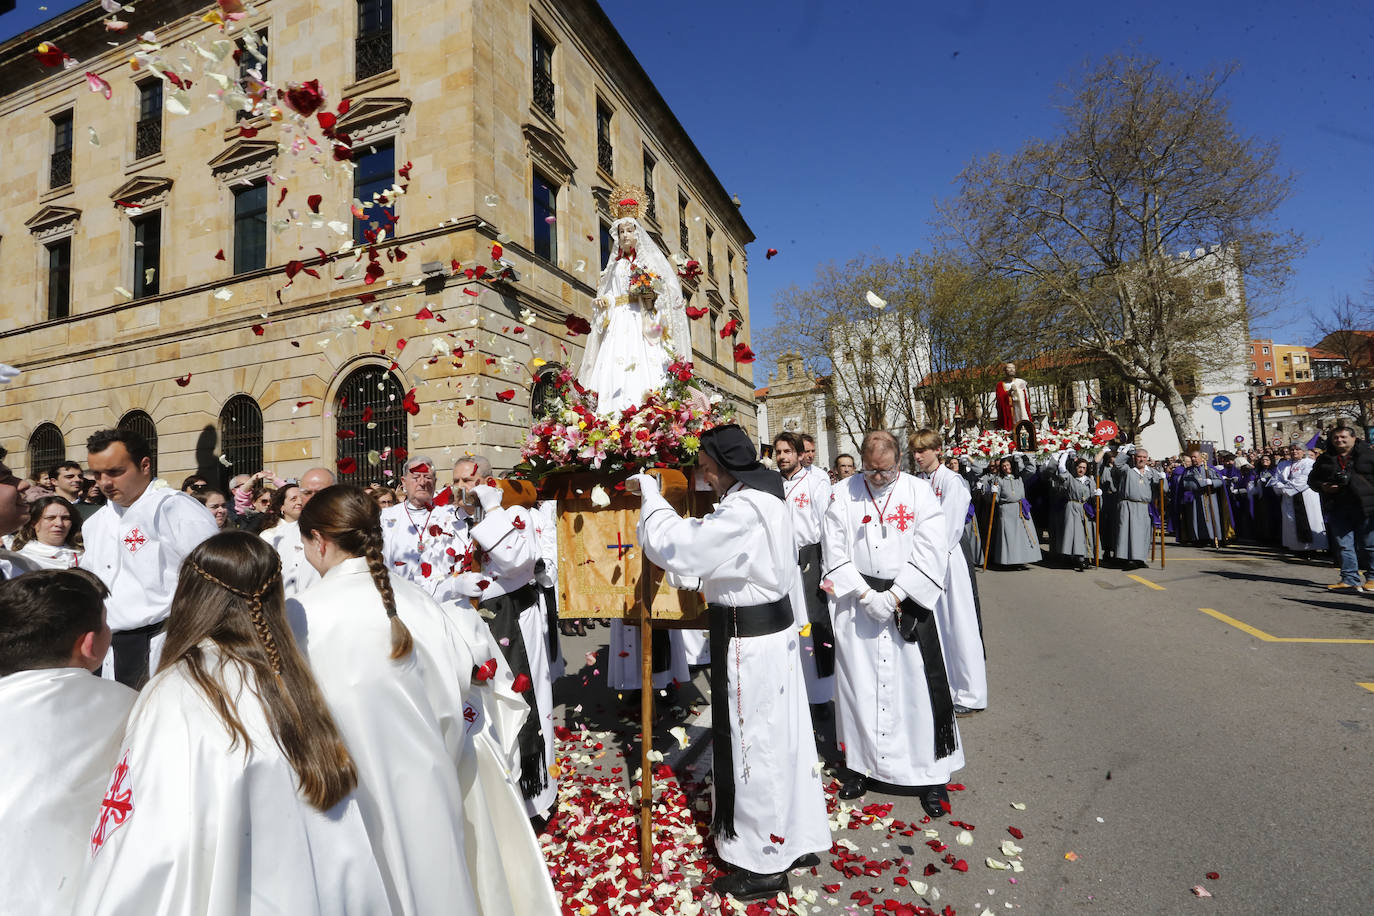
x=51, y=538
x=233, y=791
x=382, y=652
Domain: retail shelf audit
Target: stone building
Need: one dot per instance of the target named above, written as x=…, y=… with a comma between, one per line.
x=146, y=241
x=796, y=401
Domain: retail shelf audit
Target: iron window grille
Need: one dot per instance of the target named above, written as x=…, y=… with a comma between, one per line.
x=240, y=437
x=138, y=421
x=148, y=130
x=47, y=447
x=605, y=152
x=372, y=47
x=60, y=166
x=59, y=278
x=376, y=392
x=542, y=57
x=649, y=209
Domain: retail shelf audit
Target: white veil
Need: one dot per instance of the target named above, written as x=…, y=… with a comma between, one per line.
x=669, y=307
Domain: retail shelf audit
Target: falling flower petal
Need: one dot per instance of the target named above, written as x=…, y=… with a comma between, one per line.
x=600, y=498
x=95, y=137
x=874, y=301
x=743, y=354
x=347, y=465
x=680, y=734
x=98, y=84
x=964, y=838
x=184, y=380
x=224, y=295
x=1200, y=891
x=770, y=254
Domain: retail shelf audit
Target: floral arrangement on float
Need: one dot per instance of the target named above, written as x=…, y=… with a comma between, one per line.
x=664, y=431
x=991, y=444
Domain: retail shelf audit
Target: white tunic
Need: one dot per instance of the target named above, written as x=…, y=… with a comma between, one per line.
x=882, y=704
x=401, y=720
x=296, y=574
x=50, y=557
x=744, y=555
x=510, y=541
x=508, y=870
x=955, y=613
x=137, y=553
x=63, y=730
x=425, y=545
x=14, y=564
x=191, y=823
x=808, y=496
x=1290, y=482
x=545, y=517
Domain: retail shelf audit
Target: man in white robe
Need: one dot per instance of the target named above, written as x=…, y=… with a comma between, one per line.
x=135, y=544
x=424, y=537
x=955, y=611
x=887, y=549
x=497, y=572
x=806, y=490
x=1304, y=529
x=62, y=732
x=769, y=808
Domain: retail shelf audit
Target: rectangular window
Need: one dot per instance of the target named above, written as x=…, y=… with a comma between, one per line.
x=649, y=164
x=1268, y=364
x=710, y=252
x=251, y=54
x=148, y=130
x=373, y=176
x=607, y=244
x=605, y=152
x=250, y=228
x=1266, y=351
x=545, y=197
x=730, y=270
x=60, y=168
x=682, y=236
x=372, y=47
x=542, y=58
x=147, y=253
x=715, y=333
x=59, y=278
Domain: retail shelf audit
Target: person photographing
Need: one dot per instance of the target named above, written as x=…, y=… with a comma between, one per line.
x=1344, y=477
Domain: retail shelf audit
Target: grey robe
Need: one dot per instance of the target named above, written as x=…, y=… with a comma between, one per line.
x=1013, y=537
x=1074, y=532
x=1135, y=490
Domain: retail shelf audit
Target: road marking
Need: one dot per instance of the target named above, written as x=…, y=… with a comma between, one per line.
x=1369, y=687
x=1143, y=581
x=1269, y=637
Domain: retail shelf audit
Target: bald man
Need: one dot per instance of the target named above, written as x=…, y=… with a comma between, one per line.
x=313, y=481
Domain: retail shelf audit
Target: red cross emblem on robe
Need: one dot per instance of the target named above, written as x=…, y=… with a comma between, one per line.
x=802, y=501
x=134, y=540
x=115, y=807
x=902, y=518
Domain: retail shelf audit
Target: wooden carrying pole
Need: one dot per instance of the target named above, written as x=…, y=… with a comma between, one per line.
x=1097, y=533
x=1161, y=525
x=987, y=541
x=646, y=734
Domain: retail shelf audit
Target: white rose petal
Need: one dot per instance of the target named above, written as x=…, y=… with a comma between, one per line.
x=600, y=498
x=874, y=301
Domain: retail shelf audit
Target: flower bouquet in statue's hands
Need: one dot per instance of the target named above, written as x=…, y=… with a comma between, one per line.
x=644, y=283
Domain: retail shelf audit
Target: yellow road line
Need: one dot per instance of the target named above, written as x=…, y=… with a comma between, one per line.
x=1269, y=637
x=1369, y=687
x=1143, y=581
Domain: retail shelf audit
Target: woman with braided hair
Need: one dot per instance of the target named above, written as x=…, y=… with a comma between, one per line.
x=383, y=654
x=233, y=791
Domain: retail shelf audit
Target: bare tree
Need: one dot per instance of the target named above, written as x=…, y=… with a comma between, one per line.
x=1093, y=221
x=1346, y=333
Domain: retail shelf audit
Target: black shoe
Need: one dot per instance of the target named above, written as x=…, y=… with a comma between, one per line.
x=852, y=785
x=810, y=860
x=743, y=884
x=963, y=712
x=931, y=798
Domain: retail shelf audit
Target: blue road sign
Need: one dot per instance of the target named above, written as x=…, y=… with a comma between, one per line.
x=1220, y=403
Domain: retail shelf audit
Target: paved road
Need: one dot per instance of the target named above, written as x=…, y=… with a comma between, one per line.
x=1154, y=742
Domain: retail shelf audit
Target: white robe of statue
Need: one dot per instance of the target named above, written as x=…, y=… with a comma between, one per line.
x=633, y=338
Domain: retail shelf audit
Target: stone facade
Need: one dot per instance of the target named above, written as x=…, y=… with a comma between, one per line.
x=458, y=103
x=796, y=401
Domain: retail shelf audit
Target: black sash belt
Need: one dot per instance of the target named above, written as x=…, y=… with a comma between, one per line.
x=131, y=649
x=817, y=610
x=728, y=623
x=505, y=629
x=917, y=624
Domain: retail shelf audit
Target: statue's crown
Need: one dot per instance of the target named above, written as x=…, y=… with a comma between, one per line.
x=627, y=200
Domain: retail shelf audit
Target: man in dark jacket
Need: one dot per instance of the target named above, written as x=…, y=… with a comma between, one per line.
x=1344, y=476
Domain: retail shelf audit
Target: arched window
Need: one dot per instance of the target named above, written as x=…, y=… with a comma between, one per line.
x=137, y=421
x=376, y=394
x=240, y=437
x=544, y=391
x=46, y=448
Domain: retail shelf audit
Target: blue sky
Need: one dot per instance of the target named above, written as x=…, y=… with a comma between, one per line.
x=840, y=125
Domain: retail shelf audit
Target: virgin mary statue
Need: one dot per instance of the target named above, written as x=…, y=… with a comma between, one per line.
x=639, y=324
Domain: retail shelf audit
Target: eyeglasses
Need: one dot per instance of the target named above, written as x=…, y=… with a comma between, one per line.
x=881, y=475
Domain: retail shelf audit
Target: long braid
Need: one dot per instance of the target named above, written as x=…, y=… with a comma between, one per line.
x=401, y=640
x=254, y=599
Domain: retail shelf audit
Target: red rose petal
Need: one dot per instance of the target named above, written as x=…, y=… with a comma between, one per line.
x=521, y=683
x=425, y=569
x=347, y=465
x=770, y=254
x=961, y=865
x=1016, y=833
x=506, y=395
x=1213, y=876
